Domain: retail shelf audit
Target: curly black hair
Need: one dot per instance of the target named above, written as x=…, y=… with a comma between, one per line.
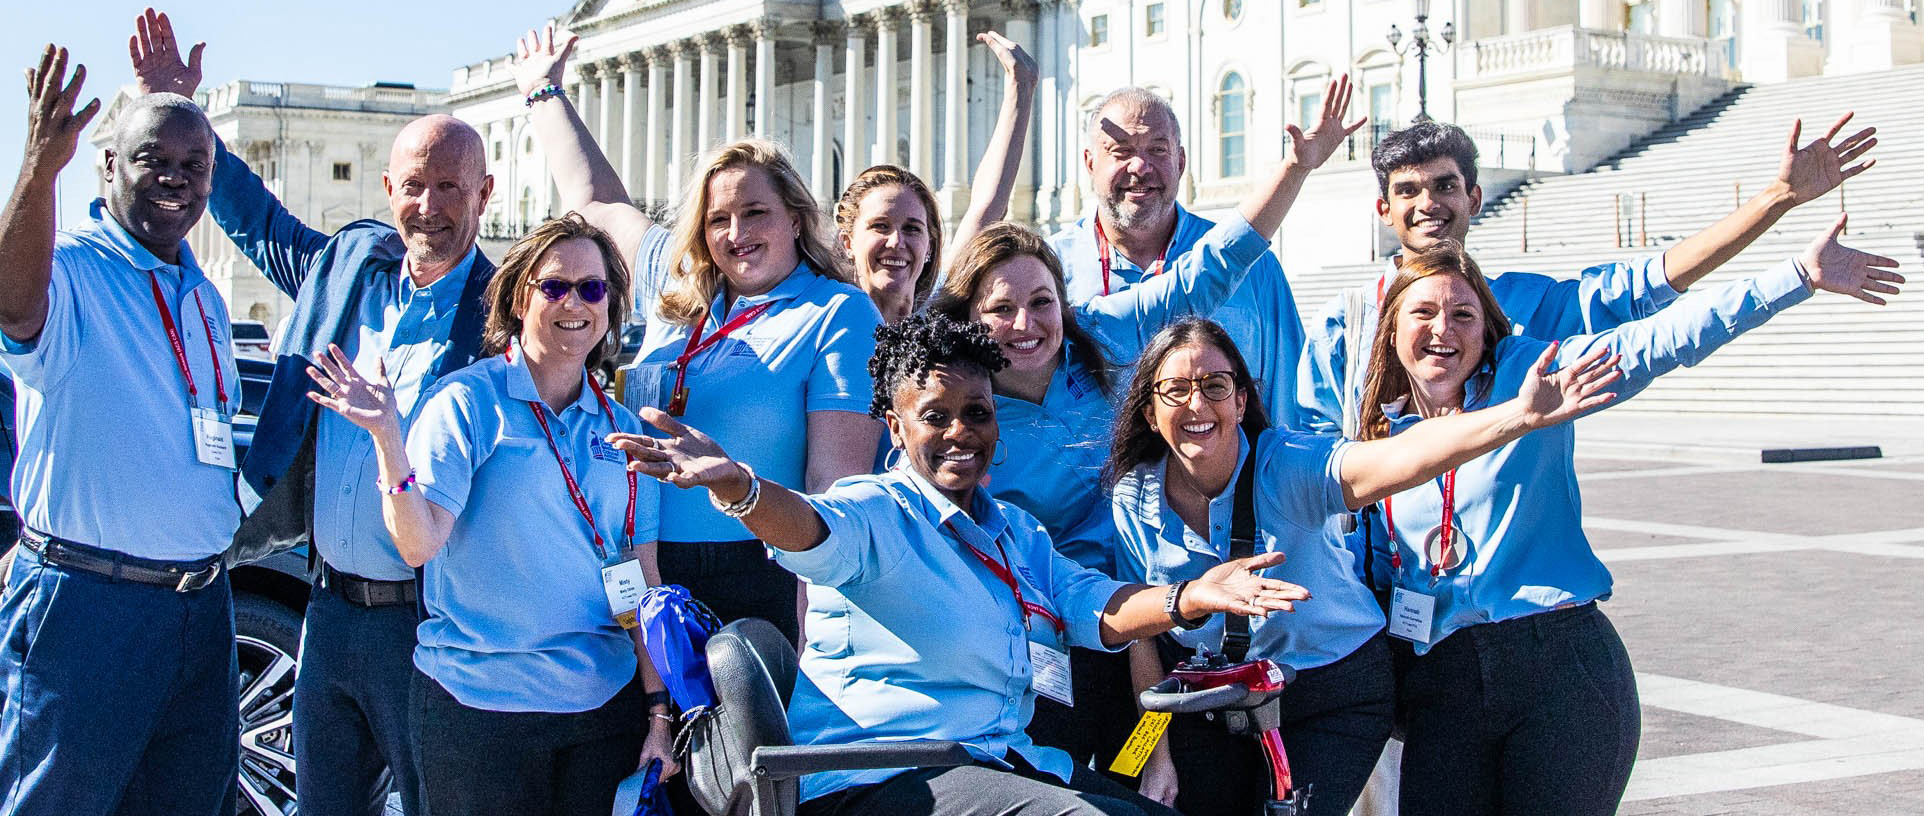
x=905, y=351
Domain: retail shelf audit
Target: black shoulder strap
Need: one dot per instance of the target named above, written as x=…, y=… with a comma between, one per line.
x=1242, y=544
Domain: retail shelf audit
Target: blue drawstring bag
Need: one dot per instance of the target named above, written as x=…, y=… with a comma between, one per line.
x=642, y=793
x=676, y=628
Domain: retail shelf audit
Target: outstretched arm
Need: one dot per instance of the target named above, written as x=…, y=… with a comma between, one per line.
x=687, y=458
x=27, y=226
x=1265, y=207
x=995, y=176
x=419, y=527
x=1236, y=587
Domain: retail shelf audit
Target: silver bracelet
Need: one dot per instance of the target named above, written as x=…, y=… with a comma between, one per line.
x=747, y=504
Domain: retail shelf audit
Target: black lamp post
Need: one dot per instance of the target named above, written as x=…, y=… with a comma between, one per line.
x=1422, y=43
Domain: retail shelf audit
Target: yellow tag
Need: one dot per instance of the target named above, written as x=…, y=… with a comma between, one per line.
x=628, y=619
x=1141, y=742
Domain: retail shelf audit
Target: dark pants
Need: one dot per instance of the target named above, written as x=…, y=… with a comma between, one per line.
x=736, y=579
x=1335, y=719
x=1104, y=714
x=351, y=708
x=979, y=790
x=120, y=695
x=480, y=763
x=1530, y=715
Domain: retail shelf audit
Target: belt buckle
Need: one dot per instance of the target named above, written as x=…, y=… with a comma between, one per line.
x=198, y=579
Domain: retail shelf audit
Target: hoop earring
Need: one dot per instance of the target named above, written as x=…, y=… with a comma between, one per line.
x=892, y=458
x=1001, y=451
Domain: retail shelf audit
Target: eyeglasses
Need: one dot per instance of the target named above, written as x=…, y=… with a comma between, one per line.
x=592, y=290
x=1216, y=386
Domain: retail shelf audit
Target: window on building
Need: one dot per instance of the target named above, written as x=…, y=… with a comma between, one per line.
x=1814, y=19
x=1099, y=31
x=1308, y=106
x=1308, y=3
x=1232, y=10
x=1232, y=122
x=1642, y=18
x=1382, y=107
x=343, y=171
x=1153, y=24
x=499, y=149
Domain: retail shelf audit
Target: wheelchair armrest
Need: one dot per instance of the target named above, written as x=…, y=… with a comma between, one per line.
x=786, y=761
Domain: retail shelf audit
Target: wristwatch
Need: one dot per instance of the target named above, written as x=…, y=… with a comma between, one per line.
x=1169, y=607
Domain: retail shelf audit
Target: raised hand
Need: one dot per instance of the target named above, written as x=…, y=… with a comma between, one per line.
x=1328, y=133
x=1549, y=398
x=156, y=57
x=686, y=458
x=1817, y=168
x=1235, y=586
x=368, y=403
x=53, y=126
x=1016, y=63
x=1834, y=267
x=540, y=60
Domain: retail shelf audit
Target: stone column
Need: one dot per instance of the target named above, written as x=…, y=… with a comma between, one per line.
x=634, y=128
x=1683, y=18
x=1774, y=45
x=1877, y=35
x=706, y=92
x=922, y=32
x=1519, y=17
x=606, y=119
x=656, y=179
x=887, y=112
x=1600, y=15
x=587, y=98
x=684, y=109
x=1048, y=119
x=737, y=118
x=955, y=121
x=821, y=175
x=765, y=30
x=1021, y=28
x=854, y=129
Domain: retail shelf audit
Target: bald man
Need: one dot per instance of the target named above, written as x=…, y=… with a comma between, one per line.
x=406, y=295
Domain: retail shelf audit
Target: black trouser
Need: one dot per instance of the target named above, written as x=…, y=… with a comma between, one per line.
x=479, y=763
x=980, y=790
x=351, y=707
x=1104, y=713
x=1530, y=715
x=1335, y=719
x=736, y=579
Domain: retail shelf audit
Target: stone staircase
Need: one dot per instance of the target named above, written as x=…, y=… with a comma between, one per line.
x=1832, y=356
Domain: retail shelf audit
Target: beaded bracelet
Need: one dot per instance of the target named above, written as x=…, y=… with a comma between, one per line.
x=747, y=503
x=404, y=486
x=544, y=92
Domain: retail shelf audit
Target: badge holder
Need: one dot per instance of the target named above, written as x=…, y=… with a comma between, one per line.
x=623, y=583
x=213, y=438
x=1052, y=673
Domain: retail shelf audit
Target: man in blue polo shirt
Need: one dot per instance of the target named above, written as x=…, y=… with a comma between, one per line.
x=119, y=642
x=407, y=297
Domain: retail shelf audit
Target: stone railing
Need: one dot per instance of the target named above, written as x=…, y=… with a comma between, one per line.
x=373, y=98
x=1566, y=47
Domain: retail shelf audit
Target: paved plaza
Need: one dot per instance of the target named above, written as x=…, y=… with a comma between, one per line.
x=1772, y=613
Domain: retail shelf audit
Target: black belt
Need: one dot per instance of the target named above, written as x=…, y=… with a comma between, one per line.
x=180, y=576
x=367, y=592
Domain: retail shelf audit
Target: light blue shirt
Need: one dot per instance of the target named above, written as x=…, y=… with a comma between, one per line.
x=106, y=430
x=753, y=391
x=517, y=619
x=911, y=637
x=1053, y=451
x=1298, y=488
x=406, y=326
x=1260, y=315
x=1519, y=506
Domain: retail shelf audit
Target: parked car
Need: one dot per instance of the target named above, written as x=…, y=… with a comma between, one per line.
x=251, y=340
x=270, y=598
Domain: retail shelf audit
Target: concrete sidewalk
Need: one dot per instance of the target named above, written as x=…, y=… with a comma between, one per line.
x=1710, y=438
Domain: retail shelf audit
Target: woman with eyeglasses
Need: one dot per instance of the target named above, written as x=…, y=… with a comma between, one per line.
x=528, y=696
x=1190, y=427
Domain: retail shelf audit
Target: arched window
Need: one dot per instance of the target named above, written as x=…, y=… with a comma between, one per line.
x=1232, y=122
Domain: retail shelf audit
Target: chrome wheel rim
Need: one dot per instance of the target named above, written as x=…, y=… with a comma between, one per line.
x=266, y=728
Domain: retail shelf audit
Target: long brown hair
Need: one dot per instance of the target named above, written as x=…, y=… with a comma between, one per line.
x=688, y=262
x=885, y=175
x=511, y=281
x=1388, y=381
x=995, y=245
x=1135, y=441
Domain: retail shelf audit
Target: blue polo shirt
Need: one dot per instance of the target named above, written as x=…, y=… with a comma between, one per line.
x=405, y=326
x=517, y=619
x=753, y=391
x=912, y=637
x=106, y=429
x=1519, y=506
x=1260, y=315
x=1298, y=488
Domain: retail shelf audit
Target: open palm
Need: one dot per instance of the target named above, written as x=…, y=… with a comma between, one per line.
x=368, y=403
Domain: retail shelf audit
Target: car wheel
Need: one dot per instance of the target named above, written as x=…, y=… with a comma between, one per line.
x=267, y=641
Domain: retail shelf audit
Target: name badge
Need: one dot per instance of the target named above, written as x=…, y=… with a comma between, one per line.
x=1051, y=667
x=213, y=439
x=1410, y=615
x=604, y=451
x=647, y=385
x=623, y=583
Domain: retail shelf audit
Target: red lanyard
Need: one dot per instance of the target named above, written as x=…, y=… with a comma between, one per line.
x=697, y=344
x=1448, y=530
x=1002, y=571
x=574, y=488
x=1102, y=252
x=180, y=350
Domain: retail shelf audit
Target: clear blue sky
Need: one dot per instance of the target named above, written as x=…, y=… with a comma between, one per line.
x=335, y=42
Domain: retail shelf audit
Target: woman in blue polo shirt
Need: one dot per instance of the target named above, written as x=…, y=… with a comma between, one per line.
x=936, y=611
x=1189, y=424
x=529, y=696
x=758, y=338
x=1518, y=693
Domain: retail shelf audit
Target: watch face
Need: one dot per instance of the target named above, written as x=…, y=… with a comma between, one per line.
x=1442, y=558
